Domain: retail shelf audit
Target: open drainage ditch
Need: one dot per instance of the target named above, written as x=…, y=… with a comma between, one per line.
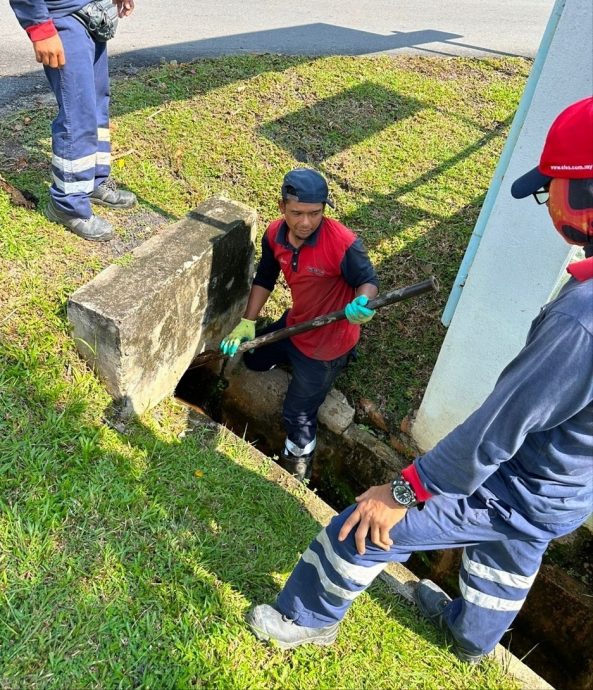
x=204, y=388
x=552, y=634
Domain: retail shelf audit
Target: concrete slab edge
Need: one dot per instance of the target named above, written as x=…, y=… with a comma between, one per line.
x=396, y=576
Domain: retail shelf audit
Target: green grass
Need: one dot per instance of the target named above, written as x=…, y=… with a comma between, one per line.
x=129, y=553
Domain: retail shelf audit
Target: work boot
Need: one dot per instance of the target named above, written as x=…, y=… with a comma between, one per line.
x=94, y=228
x=268, y=623
x=108, y=194
x=432, y=601
x=299, y=466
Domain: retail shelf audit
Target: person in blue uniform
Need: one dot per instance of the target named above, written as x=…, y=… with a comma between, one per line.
x=75, y=64
x=326, y=269
x=515, y=475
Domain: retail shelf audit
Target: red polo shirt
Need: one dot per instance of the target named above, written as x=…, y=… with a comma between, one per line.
x=322, y=274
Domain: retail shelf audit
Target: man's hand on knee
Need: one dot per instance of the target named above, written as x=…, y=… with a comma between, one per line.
x=376, y=513
x=50, y=52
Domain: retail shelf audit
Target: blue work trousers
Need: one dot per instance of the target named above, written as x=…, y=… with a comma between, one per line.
x=81, y=158
x=502, y=555
x=311, y=381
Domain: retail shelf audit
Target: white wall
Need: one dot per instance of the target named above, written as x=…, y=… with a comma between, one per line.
x=520, y=259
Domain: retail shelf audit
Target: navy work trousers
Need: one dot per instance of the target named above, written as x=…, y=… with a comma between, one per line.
x=502, y=555
x=81, y=158
x=311, y=381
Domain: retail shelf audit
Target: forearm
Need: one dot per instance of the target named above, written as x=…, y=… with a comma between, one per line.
x=257, y=298
x=368, y=289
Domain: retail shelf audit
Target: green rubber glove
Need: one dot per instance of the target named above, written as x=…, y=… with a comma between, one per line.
x=244, y=331
x=357, y=311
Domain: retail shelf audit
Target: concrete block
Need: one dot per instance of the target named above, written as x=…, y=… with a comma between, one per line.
x=252, y=404
x=261, y=395
x=335, y=413
x=139, y=325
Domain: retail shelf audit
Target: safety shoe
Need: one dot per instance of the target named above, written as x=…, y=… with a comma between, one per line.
x=268, y=624
x=300, y=466
x=432, y=601
x=108, y=194
x=94, y=228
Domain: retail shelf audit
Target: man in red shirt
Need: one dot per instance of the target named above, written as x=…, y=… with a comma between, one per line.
x=504, y=483
x=326, y=268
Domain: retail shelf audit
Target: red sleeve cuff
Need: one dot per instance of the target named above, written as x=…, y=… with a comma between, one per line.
x=39, y=32
x=410, y=474
x=582, y=270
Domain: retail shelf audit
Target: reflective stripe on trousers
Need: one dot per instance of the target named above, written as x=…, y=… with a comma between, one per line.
x=501, y=559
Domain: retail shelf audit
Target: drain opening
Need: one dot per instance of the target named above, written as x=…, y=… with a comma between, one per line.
x=203, y=389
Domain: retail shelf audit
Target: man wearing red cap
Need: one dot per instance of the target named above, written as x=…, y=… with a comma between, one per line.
x=326, y=268
x=515, y=475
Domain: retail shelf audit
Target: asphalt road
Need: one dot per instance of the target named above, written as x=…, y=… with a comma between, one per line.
x=188, y=29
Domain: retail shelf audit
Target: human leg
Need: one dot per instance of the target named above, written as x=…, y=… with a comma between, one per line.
x=331, y=574
x=106, y=191
x=264, y=359
x=74, y=135
x=102, y=102
x=311, y=381
x=494, y=580
x=74, y=130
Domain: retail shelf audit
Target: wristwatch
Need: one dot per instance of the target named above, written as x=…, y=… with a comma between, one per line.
x=403, y=494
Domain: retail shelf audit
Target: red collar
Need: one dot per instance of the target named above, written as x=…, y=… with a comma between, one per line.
x=582, y=270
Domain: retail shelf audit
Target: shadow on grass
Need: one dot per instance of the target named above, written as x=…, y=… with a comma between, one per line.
x=130, y=560
x=412, y=332
x=25, y=149
x=118, y=561
x=312, y=135
x=311, y=39
x=330, y=126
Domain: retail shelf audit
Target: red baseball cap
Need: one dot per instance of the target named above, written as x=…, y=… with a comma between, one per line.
x=568, y=151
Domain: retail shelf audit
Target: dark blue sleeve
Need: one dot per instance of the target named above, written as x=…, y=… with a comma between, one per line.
x=268, y=268
x=30, y=12
x=547, y=383
x=356, y=266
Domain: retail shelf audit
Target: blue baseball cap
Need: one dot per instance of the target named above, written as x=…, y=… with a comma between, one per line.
x=307, y=186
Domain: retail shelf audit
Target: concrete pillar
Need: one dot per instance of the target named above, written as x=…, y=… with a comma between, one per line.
x=139, y=325
x=521, y=259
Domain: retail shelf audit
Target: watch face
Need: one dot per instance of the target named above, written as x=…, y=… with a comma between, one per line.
x=402, y=494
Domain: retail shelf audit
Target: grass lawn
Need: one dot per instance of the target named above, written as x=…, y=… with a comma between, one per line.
x=129, y=553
